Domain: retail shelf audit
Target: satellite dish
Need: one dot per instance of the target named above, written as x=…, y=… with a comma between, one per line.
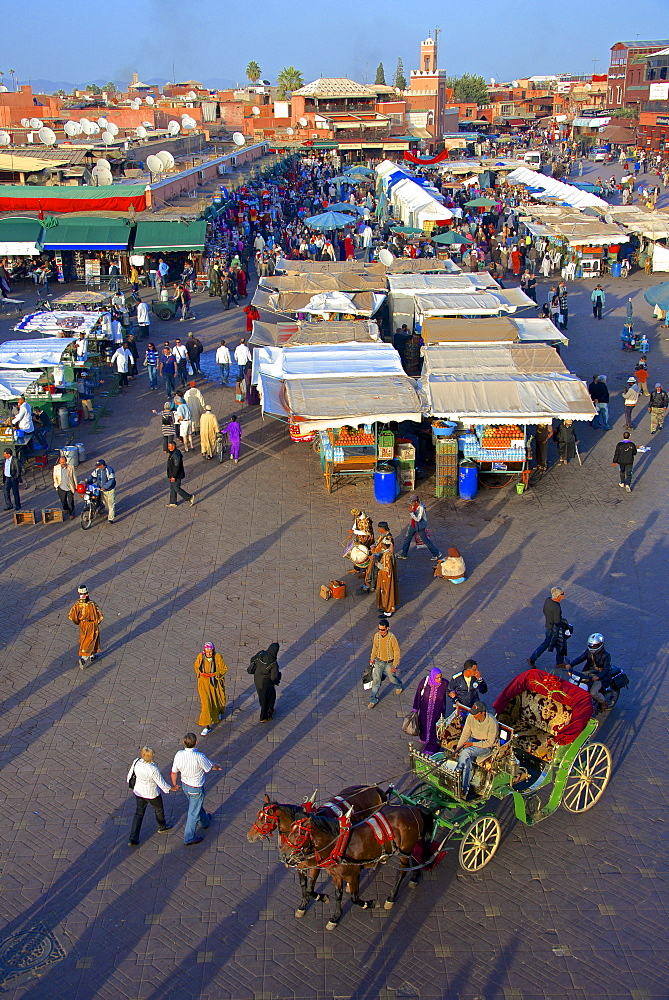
x=189, y=124
x=493, y=80
x=150, y=99
x=72, y=128
x=191, y=95
x=113, y=128
x=102, y=175
x=35, y=123
x=140, y=132
x=386, y=257
x=303, y=122
x=86, y=126
x=290, y=131
x=135, y=103
x=5, y=138
x=102, y=122
x=238, y=139
x=95, y=128
x=47, y=136
x=608, y=218
x=25, y=122
x=514, y=83
x=173, y=125
x=166, y=159
x=255, y=110
x=3, y=89
x=107, y=138
x=105, y=164
x=154, y=164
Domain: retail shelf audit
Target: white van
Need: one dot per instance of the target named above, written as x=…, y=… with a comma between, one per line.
x=533, y=160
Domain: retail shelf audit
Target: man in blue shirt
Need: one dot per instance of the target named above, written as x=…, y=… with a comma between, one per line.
x=105, y=478
x=168, y=369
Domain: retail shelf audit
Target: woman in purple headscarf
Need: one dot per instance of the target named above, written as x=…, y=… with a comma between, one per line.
x=429, y=703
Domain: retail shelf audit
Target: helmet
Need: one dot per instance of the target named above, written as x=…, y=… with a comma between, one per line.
x=81, y=488
x=595, y=641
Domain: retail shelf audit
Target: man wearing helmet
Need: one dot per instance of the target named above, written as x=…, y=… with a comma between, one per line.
x=598, y=668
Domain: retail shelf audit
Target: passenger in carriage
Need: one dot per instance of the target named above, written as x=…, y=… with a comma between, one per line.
x=466, y=686
x=480, y=734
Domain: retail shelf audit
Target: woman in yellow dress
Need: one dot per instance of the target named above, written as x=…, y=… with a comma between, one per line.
x=210, y=668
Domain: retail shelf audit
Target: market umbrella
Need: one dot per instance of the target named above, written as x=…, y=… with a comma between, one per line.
x=407, y=231
x=480, y=203
x=381, y=210
x=343, y=206
x=448, y=239
x=364, y=171
x=658, y=296
x=327, y=221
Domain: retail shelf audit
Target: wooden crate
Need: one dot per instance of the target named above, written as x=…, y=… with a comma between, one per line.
x=52, y=514
x=24, y=517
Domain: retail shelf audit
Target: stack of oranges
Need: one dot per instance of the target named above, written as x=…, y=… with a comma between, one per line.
x=354, y=437
x=500, y=438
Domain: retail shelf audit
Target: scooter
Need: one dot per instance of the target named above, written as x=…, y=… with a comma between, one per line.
x=611, y=692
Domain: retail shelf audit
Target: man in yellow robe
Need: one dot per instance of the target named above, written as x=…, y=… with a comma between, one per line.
x=87, y=615
x=208, y=432
x=387, y=588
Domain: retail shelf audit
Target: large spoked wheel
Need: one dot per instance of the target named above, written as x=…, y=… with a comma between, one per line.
x=479, y=844
x=86, y=518
x=588, y=777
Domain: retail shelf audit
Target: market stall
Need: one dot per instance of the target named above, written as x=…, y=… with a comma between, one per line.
x=83, y=300
x=51, y=363
x=483, y=303
x=328, y=305
x=323, y=332
x=403, y=288
x=84, y=247
x=491, y=330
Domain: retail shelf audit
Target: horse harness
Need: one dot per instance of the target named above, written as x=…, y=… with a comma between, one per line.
x=377, y=822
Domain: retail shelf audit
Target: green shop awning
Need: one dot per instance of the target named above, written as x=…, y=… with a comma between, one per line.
x=83, y=233
x=152, y=237
x=20, y=237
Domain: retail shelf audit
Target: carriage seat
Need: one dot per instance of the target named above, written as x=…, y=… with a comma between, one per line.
x=535, y=719
x=449, y=731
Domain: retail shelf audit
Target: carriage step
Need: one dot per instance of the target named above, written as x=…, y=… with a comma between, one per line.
x=51, y=514
x=24, y=517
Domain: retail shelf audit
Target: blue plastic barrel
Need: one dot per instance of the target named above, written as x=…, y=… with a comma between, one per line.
x=616, y=269
x=468, y=480
x=385, y=483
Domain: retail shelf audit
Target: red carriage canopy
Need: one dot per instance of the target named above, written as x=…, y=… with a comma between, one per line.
x=563, y=691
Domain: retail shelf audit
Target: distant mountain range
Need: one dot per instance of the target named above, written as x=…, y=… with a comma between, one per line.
x=51, y=86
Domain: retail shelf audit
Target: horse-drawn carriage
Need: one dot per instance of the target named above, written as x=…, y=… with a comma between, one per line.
x=545, y=730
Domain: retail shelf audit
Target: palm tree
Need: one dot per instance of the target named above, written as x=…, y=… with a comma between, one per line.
x=13, y=76
x=253, y=71
x=110, y=87
x=289, y=79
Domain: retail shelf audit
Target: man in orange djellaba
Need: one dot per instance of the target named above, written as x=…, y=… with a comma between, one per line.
x=86, y=614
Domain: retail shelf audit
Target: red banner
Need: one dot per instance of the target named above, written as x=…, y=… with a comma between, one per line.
x=412, y=158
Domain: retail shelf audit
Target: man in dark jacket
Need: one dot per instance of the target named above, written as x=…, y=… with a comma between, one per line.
x=598, y=667
x=599, y=394
x=11, y=475
x=623, y=457
x=175, y=474
x=194, y=349
x=467, y=686
x=553, y=617
x=657, y=408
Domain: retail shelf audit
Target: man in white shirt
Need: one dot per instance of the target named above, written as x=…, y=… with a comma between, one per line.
x=24, y=418
x=181, y=357
x=367, y=241
x=121, y=359
x=81, y=347
x=143, y=320
x=223, y=361
x=193, y=765
x=242, y=356
x=148, y=780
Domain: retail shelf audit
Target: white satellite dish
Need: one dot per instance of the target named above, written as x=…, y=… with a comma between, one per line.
x=5, y=138
x=238, y=139
x=514, y=83
x=154, y=164
x=47, y=136
x=303, y=122
x=191, y=95
x=166, y=159
x=150, y=99
x=173, y=124
x=105, y=164
x=72, y=128
x=290, y=131
x=102, y=175
x=135, y=103
x=86, y=126
x=35, y=123
x=189, y=124
x=255, y=110
x=140, y=132
x=386, y=257
x=102, y=122
x=493, y=80
x=147, y=124
x=107, y=138
x=173, y=128
x=113, y=128
x=3, y=89
x=25, y=122
x=95, y=128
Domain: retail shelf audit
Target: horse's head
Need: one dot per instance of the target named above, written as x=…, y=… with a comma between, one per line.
x=266, y=822
x=296, y=843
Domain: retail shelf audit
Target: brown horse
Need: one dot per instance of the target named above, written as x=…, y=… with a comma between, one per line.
x=365, y=800
x=391, y=830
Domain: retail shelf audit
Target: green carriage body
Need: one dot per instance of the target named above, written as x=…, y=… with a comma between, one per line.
x=549, y=745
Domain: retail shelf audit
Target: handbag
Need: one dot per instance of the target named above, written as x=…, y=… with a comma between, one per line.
x=410, y=725
x=367, y=677
x=132, y=780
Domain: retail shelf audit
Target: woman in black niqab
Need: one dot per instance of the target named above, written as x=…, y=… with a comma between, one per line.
x=266, y=675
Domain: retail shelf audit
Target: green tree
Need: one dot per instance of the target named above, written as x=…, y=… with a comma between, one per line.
x=624, y=113
x=468, y=88
x=12, y=73
x=60, y=93
x=400, y=80
x=380, y=75
x=92, y=88
x=110, y=87
x=253, y=71
x=289, y=79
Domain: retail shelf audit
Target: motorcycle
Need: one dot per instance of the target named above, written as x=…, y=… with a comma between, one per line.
x=619, y=681
x=93, y=505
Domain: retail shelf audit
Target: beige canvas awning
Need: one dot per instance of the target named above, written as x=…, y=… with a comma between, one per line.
x=450, y=359
x=314, y=282
x=441, y=330
x=498, y=398
x=338, y=402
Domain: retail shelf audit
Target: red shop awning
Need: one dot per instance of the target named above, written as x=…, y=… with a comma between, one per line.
x=110, y=198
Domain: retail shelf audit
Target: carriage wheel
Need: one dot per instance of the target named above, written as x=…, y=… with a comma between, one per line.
x=479, y=843
x=588, y=777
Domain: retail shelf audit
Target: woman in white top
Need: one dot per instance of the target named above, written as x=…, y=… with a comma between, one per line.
x=148, y=781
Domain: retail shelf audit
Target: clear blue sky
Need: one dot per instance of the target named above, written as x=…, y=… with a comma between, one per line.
x=81, y=40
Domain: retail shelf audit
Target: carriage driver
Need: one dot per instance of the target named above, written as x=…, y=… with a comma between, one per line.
x=480, y=734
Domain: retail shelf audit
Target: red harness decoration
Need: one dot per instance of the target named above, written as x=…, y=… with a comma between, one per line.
x=381, y=828
x=337, y=805
x=303, y=830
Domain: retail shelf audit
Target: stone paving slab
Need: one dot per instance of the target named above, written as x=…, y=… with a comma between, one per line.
x=575, y=907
